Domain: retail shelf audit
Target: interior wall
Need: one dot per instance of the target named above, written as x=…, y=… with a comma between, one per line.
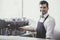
x=10, y=9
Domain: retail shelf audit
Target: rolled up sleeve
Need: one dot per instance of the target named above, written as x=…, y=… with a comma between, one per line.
x=50, y=28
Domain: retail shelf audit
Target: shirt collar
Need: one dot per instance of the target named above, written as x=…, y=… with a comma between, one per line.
x=44, y=15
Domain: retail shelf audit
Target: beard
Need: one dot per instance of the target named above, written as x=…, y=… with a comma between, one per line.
x=43, y=12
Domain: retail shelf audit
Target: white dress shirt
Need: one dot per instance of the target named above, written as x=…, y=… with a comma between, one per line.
x=49, y=25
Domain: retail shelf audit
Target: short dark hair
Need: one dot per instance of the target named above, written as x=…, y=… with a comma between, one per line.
x=44, y=2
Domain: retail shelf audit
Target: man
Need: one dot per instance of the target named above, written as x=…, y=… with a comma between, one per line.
x=45, y=25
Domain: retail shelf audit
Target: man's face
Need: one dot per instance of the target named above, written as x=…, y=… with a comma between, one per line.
x=43, y=9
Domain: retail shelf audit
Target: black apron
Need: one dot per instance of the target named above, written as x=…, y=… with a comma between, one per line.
x=41, y=32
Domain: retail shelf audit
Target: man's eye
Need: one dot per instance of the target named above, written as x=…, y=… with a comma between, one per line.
x=44, y=7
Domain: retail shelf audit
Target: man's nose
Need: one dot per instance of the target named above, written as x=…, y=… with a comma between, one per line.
x=42, y=9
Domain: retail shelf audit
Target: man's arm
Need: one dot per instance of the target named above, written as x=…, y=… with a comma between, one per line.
x=50, y=29
x=27, y=28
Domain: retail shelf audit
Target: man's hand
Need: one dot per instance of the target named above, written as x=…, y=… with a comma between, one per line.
x=26, y=28
x=22, y=28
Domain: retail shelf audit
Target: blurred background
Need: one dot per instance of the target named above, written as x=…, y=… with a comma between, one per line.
x=18, y=9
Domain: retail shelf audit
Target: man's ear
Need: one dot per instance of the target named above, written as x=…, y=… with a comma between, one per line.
x=40, y=10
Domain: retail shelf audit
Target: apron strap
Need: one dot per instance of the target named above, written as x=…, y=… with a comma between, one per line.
x=45, y=18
